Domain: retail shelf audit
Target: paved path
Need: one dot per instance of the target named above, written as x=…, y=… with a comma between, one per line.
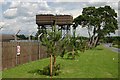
x=112, y=48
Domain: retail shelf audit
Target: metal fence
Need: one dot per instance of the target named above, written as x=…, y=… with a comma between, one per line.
x=29, y=51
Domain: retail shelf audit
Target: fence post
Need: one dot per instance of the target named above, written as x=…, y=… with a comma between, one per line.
x=39, y=44
x=38, y=50
x=17, y=54
x=1, y=60
x=30, y=51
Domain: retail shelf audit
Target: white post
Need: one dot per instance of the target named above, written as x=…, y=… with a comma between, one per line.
x=16, y=35
x=1, y=28
x=30, y=35
x=39, y=44
x=16, y=41
x=39, y=36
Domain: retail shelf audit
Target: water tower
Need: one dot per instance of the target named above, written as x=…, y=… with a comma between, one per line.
x=62, y=21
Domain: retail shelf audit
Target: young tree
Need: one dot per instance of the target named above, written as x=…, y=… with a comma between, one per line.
x=63, y=46
x=74, y=45
x=50, y=40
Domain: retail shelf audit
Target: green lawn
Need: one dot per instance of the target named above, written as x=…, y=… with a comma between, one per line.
x=95, y=63
x=116, y=46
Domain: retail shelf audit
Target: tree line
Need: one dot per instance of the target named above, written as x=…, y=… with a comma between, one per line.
x=99, y=22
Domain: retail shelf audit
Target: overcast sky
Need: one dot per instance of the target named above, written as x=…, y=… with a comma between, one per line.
x=20, y=14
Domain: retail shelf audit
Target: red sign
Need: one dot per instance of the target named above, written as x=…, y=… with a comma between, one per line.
x=18, y=50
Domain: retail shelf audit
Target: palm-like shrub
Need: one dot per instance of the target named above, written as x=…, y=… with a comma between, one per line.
x=73, y=47
x=63, y=46
x=50, y=40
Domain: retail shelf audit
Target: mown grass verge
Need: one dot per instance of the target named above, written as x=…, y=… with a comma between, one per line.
x=95, y=63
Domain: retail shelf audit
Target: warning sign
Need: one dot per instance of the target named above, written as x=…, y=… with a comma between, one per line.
x=18, y=50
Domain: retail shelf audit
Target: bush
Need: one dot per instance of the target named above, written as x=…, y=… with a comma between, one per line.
x=73, y=56
x=55, y=70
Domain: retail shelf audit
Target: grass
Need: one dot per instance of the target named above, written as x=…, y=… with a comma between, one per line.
x=116, y=46
x=95, y=63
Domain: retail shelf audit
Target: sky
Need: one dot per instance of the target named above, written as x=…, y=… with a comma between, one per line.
x=21, y=14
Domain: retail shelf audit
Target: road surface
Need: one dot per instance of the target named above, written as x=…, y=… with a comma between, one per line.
x=112, y=48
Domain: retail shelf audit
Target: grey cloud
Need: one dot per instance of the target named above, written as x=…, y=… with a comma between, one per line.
x=24, y=9
x=119, y=5
x=81, y=31
x=10, y=13
x=22, y=16
x=26, y=19
x=97, y=4
x=14, y=4
x=118, y=19
x=2, y=24
x=114, y=5
x=14, y=26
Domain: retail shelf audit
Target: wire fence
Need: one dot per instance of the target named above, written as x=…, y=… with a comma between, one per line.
x=29, y=51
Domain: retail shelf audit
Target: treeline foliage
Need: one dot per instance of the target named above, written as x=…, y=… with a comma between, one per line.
x=112, y=39
x=22, y=36
x=99, y=21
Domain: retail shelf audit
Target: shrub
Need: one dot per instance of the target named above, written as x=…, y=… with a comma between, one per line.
x=55, y=70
